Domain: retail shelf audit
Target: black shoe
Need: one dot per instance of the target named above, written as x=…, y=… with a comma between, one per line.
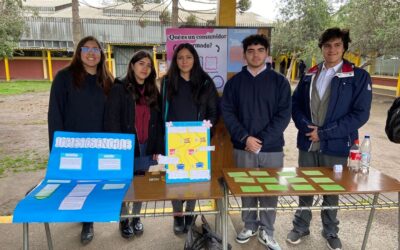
x=137, y=226
x=87, y=233
x=334, y=242
x=188, y=222
x=126, y=229
x=179, y=225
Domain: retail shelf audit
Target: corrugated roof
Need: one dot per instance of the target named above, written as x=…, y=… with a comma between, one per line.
x=125, y=12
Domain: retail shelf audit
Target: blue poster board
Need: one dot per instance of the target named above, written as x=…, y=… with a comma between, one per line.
x=188, y=152
x=87, y=177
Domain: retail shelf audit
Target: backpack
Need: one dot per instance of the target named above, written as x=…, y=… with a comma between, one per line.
x=392, y=127
x=204, y=238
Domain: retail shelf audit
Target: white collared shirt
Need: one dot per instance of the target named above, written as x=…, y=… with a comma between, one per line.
x=325, y=78
x=261, y=70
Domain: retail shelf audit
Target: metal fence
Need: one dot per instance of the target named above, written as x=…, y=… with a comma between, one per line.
x=387, y=66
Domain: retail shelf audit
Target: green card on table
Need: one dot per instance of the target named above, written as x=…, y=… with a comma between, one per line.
x=243, y=179
x=251, y=189
x=334, y=187
x=303, y=187
x=312, y=172
x=237, y=174
x=273, y=187
x=258, y=173
x=296, y=180
x=267, y=180
x=322, y=180
x=286, y=173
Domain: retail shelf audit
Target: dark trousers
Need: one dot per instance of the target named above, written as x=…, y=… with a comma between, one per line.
x=302, y=218
x=142, y=162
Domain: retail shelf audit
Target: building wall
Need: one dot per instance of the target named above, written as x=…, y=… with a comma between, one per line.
x=31, y=68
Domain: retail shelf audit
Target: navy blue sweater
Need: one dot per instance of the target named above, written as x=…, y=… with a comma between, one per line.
x=75, y=110
x=257, y=106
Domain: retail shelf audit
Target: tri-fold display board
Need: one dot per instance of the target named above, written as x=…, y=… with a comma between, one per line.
x=87, y=177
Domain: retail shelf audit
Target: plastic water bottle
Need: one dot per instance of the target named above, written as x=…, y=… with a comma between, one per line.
x=365, y=154
x=354, y=157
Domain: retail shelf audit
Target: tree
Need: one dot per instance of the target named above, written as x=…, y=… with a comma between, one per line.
x=374, y=31
x=300, y=25
x=12, y=25
x=243, y=5
x=191, y=20
x=76, y=23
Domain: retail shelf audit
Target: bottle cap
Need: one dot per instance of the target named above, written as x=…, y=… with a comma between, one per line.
x=338, y=168
x=357, y=141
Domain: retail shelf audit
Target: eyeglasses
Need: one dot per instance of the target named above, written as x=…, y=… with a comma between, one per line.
x=93, y=50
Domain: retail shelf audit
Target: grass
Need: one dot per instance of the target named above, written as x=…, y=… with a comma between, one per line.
x=21, y=87
x=27, y=161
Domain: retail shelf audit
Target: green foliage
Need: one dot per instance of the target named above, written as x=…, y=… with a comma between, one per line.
x=21, y=87
x=244, y=5
x=165, y=17
x=27, y=161
x=375, y=29
x=299, y=26
x=374, y=26
x=12, y=25
x=191, y=20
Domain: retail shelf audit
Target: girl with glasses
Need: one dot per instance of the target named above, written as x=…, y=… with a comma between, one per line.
x=77, y=98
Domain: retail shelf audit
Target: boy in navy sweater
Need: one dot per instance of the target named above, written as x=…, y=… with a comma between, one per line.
x=256, y=107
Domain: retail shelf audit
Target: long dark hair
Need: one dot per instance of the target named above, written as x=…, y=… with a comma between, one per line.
x=104, y=77
x=197, y=75
x=150, y=89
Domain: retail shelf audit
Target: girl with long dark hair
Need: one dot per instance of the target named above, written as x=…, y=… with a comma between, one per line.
x=189, y=94
x=133, y=107
x=78, y=97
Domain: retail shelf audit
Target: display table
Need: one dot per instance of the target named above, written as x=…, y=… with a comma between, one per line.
x=355, y=190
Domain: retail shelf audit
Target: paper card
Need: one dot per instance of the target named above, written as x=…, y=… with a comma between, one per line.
x=335, y=187
x=46, y=191
x=243, y=180
x=70, y=161
x=267, y=180
x=157, y=168
x=303, y=187
x=275, y=187
x=206, y=148
x=177, y=130
x=82, y=190
x=167, y=160
x=110, y=186
x=312, y=172
x=286, y=173
x=72, y=203
x=296, y=180
x=181, y=174
x=200, y=174
x=322, y=180
x=109, y=162
x=58, y=181
x=258, y=173
x=197, y=129
x=251, y=189
x=237, y=174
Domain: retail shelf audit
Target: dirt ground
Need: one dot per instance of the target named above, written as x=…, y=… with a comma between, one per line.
x=23, y=127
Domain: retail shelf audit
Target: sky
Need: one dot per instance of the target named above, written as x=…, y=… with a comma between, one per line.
x=265, y=8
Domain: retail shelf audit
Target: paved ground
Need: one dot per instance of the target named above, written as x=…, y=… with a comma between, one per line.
x=158, y=234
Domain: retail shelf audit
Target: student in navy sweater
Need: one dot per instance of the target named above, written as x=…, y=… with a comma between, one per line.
x=189, y=94
x=78, y=96
x=256, y=108
x=133, y=106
